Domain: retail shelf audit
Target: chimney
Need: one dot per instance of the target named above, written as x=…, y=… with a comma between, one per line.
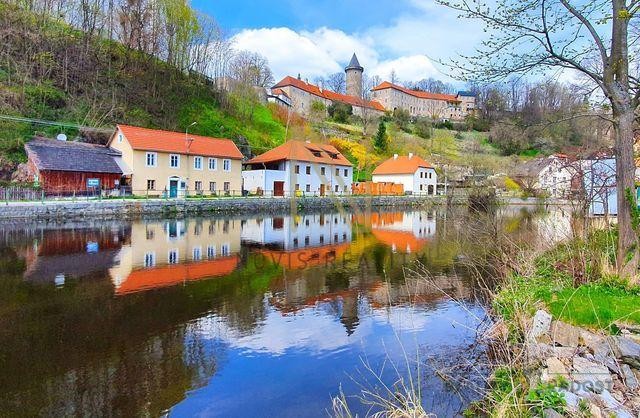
x=410, y=155
x=395, y=156
x=299, y=78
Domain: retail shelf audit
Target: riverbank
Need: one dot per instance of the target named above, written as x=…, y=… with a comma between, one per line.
x=132, y=208
x=566, y=335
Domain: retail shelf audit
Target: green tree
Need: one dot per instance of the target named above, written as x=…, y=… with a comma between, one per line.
x=340, y=112
x=380, y=141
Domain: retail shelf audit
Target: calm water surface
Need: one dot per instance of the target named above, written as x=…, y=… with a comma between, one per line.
x=259, y=316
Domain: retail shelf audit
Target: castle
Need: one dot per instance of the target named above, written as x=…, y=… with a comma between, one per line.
x=301, y=95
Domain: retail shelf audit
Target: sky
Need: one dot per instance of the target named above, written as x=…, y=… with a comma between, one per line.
x=317, y=37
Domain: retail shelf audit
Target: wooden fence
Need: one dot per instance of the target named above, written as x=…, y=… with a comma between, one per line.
x=13, y=194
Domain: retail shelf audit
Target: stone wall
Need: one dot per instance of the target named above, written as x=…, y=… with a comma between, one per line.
x=128, y=209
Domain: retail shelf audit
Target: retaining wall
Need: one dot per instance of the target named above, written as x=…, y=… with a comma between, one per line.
x=128, y=209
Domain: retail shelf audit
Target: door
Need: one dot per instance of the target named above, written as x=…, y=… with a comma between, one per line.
x=322, y=190
x=173, y=188
x=278, y=188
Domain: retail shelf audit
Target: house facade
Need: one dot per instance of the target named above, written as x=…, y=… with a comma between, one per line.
x=299, y=168
x=173, y=164
x=425, y=104
x=415, y=174
x=552, y=176
x=68, y=167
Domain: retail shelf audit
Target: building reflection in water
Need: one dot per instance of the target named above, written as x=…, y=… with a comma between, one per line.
x=161, y=254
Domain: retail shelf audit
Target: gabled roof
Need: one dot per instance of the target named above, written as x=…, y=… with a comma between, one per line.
x=176, y=142
x=51, y=154
x=303, y=151
x=354, y=64
x=328, y=94
x=401, y=165
x=416, y=93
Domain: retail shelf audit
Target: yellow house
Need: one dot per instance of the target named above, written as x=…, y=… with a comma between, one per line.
x=172, y=164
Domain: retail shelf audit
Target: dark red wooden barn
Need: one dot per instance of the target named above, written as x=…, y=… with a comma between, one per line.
x=67, y=167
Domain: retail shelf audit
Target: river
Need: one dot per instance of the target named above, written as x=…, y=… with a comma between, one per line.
x=248, y=316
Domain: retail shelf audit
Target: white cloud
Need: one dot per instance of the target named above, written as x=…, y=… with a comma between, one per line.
x=408, y=68
x=411, y=44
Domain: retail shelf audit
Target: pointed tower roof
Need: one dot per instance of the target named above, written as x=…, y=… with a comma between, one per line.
x=354, y=64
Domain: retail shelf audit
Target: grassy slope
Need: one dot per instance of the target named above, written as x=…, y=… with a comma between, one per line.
x=107, y=85
x=468, y=149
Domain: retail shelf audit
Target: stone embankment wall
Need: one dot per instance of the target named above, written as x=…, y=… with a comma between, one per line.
x=112, y=209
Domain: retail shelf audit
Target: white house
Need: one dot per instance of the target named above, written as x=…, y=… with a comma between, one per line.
x=551, y=175
x=415, y=174
x=299, y=167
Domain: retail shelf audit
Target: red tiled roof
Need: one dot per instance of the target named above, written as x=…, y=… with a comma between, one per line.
x=302, y=151
x=328, y=94
x=420, y=94
x=279, y=92
x=166, y=141
x=401, y=165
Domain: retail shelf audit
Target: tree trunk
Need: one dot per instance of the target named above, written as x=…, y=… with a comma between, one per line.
x=628, y=256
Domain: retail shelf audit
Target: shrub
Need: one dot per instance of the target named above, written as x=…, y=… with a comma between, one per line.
x=423, y=128
x=340, y=112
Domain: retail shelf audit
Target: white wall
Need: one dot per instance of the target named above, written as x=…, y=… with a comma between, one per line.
x=411, y=182
x=265, y=178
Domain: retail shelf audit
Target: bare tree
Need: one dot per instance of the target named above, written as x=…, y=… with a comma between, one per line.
x=251, y=68
x=337, y=82
x=393, y=77
x=590, y=37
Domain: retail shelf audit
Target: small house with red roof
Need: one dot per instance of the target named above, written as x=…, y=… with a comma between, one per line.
x=298, y=167
x=172, y=164
x=414, y=173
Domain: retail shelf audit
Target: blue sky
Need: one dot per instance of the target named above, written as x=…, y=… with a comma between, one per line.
x=316, y=38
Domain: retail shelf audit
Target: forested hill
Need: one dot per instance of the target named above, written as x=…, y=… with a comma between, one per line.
x=52, y=71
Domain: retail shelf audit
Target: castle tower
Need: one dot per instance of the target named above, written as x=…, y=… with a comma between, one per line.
x=354, y=77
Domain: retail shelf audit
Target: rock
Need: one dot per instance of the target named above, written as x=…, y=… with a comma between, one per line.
x=595, y=411
x=625, y=326
x=573, y=400
x=564, y=334
x=590, y=376
x=551, y=413
x=608, y=401
x=590, y=340
x=555, y=369
x=540, y=325
x=608, y=361
x=628, y=351
x=564, y=352
x=629, y=377
x=605, y=347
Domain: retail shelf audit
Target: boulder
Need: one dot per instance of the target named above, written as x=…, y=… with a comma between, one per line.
x=564, y=334
x=628, y=351
x=590, y=340
x=573, y=400
x=590, y=376
x=629, y=377
x=540, y=326
x=555, y=369
x=551, y=413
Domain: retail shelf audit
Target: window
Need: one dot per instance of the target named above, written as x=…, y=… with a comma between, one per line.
x=308, y=169
x=197, y=163
x=337, y=171
x=335, y=237
x=346, y=172
x=226, y=165
x=197, y=253
x=308, y=188
x=337, y=188
x=213, y=164
x=295, y=243
x=173, y=257
x=322, y=171
x=150, y=259
x=211, y=251
x=151, y=184
x=198, y=186
x=224, y=250
x=297, y=169
x=151, y=159
x=297, y=187
x=174, y=161
x=151, y=233
x=321, y=239
x=119, y=137
x=212, y=186
x=306, y=240
x=421, y=174
x=227, y=186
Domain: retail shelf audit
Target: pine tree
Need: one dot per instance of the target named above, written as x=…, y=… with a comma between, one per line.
x=380, y=142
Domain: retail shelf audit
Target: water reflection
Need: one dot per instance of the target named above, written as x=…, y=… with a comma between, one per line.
x=221, y=316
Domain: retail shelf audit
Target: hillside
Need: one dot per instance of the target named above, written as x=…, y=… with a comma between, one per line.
x=53, y=72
